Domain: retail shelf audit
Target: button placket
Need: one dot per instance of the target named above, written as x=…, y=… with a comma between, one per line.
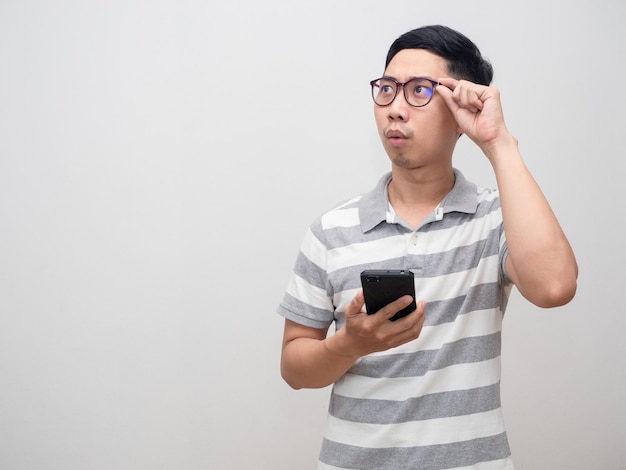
x=414, y=248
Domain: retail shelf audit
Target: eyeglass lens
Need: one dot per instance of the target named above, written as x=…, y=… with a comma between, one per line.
x=418, y=91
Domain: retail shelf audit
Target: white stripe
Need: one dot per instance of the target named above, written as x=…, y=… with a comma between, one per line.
x=368, y=252
x=313, y=249
x=348, y=202
x=452, y=378
x=455, y=284
x=416, y=433
x=475, y=230
x=396, y=246
x=341, y=218
x=448, y=286
x=300, y=289
x=486, y=194
x=470, y=325
x=343, y=298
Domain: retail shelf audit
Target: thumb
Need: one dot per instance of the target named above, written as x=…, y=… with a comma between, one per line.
x=356, y=304
x=446, y=95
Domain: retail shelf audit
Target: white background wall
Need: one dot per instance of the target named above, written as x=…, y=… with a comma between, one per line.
x=159, y=164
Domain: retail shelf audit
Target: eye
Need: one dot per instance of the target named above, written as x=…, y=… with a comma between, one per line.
x=419, y=91
x=422, y=91
x=386, y=87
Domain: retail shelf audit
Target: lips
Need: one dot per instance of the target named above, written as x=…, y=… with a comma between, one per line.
x=396, y=138
x=394, y=134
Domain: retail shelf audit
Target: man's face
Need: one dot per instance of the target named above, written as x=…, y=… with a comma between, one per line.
x=416, y=137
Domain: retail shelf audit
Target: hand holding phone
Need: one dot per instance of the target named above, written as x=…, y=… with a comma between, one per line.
x=383, y=286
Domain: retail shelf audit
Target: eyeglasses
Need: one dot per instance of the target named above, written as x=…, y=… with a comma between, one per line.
x=418, y=91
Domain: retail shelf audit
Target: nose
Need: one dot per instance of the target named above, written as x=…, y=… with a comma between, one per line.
x=397, y=110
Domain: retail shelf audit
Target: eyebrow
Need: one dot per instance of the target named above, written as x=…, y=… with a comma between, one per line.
x=411, y=77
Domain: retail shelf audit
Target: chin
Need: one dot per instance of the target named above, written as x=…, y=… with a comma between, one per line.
x=401, y=161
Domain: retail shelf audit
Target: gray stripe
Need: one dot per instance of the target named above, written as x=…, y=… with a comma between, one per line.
x=437, y=457
x=436, y=405
x=350, y=277
x=462, y=258
x=310, y=271
x=463, y=351
x=338, y=237
x=453, y=219
x=304, y=314
x=438, y=312
x=480, y=297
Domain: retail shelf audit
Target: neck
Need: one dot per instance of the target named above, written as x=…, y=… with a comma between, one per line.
x=414, y=195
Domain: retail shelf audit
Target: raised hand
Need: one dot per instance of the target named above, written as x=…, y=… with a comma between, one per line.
x=477, y=110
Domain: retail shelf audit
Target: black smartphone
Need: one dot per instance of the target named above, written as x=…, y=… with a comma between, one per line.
x=383, y=286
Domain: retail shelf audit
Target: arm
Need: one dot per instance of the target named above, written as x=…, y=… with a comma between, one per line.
x=541, y=261
x=312, y=360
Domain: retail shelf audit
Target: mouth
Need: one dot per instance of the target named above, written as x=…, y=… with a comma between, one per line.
x=395, y=137
x=391, y=133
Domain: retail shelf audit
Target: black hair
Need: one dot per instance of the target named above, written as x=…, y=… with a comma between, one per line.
x=463, y=56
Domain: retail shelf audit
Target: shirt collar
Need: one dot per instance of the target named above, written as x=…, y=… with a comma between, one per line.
x=373, y=205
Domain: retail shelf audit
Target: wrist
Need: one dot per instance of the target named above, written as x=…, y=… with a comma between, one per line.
x=501, y=149
x=338, y=346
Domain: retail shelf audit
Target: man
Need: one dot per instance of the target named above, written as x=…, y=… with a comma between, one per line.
x=423, y=392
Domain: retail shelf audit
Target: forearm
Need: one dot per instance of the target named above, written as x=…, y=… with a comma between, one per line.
x=314, y=362
x=543, y=263
x=310, y=359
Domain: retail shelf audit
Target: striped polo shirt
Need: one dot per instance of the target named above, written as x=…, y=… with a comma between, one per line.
x=433, y=403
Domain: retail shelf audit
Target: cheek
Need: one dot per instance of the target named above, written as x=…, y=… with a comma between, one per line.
x=380, y=118
x=443, y=122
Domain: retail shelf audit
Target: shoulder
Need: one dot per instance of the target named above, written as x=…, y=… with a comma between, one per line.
x=487, y=197
x=360, y=211
x=342, y=214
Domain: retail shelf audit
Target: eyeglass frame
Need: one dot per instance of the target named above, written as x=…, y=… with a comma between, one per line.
x=398, y=85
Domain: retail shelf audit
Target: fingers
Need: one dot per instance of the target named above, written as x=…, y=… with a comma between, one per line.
x=394, y=307
x=409, y=326
x=464, y=94
x=446, y=93
x=468, y=97
x=418, y=314
x=371, y=333
x=381, y=318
